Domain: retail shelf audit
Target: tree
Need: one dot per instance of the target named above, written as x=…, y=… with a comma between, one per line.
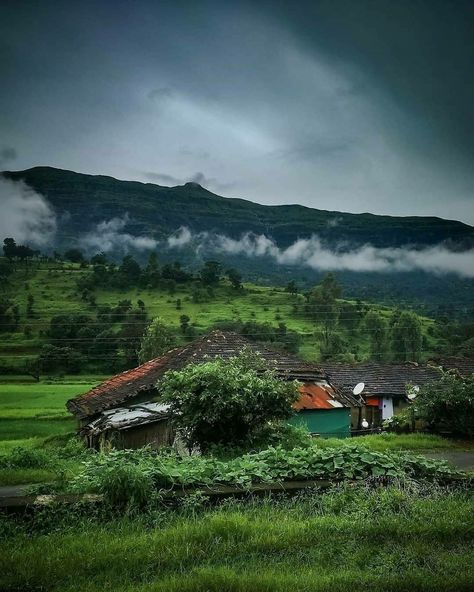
x=377, y=329
x=447, y=405
x=407, y=337
x=74, y=256
x=335, y=348
x=226, y=401
x=175, y=272
x=23, y=252
x=322, y=304
x=235, y=278
x=210, y=273
x=9, y=248
x=29, y=306
x=184, y=323
x=291, y=288
x=6, y=270
x=157, y=339
x=152, y=274
x=129, y=272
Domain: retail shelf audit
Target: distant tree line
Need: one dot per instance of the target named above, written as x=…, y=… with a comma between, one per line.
x=398, y=336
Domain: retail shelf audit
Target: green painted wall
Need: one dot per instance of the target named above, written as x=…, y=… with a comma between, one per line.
x=329, y=423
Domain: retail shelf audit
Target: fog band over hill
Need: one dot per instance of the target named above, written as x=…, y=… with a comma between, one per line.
x=310, y=252
x=109, y=237
x=25, y=214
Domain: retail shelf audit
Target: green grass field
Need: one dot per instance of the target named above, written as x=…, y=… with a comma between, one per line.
x=30, y=414
x=349, y=539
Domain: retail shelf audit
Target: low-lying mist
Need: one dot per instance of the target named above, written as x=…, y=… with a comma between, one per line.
x=310, y=252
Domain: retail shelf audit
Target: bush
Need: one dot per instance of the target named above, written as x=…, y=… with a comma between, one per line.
x=226, y=401
x=447, y=405
x=131, y=476
x=125, y=485
x=26, y=458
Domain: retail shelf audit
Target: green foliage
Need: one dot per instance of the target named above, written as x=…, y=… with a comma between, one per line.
x=407, y=337
x=401, y=422
x=377, y=327
x=235, y=278
x=74, y=255
x=272, y=464
x=322, y=305
x=54, y=359
x=226, y=401
x=157, y=339
x=210, y=273
x=125, y=484
x=447, y=405
x=24, y=458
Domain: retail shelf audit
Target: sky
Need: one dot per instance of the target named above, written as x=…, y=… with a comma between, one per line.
x=349, y=105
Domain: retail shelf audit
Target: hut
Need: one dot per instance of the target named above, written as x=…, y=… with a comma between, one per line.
x=385, y=391
x=322, y=408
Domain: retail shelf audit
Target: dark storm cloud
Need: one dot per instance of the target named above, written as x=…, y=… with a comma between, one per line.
x=359, y=106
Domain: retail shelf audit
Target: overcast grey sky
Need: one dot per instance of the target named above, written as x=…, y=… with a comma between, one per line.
x=350, y=105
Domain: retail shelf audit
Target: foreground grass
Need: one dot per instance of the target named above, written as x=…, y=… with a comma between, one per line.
x=351, y=538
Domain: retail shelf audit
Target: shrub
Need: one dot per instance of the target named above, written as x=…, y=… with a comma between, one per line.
x=125, y=485
x=131, y=476
x=447, y=405
x=26, y=458
x=226, y=401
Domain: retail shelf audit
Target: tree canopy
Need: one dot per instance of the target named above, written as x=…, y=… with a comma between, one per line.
x=157, y=339
x=226, y=401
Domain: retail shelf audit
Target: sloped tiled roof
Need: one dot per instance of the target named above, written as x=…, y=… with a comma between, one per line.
x=130, y=383
x=380, y=379
x=465, y=366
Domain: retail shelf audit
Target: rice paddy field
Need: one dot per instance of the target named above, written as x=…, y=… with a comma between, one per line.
x=30, y=415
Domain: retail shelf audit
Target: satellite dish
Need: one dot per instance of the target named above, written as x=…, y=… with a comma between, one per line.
x=365, y=424
x=359, y=387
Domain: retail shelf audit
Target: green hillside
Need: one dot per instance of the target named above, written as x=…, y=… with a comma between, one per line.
x=54, y=289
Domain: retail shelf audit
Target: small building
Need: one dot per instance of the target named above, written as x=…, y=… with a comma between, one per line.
x=323, y=411
x=385, y=392
x=145, y=424
x=323, y=408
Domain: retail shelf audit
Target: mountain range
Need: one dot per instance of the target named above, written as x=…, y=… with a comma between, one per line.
x=85, y=204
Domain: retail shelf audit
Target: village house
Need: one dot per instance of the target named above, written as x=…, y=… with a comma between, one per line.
x=385, y=387
x=125, y=410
